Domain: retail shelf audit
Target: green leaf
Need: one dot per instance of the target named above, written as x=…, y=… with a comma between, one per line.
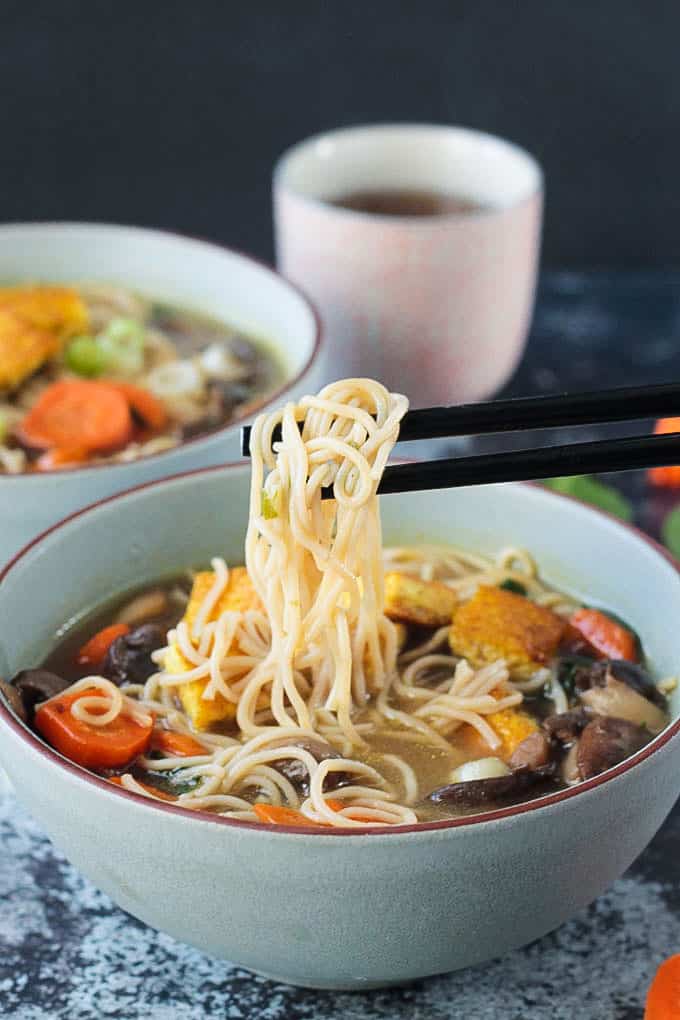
x=590, y=490
x=670, y=531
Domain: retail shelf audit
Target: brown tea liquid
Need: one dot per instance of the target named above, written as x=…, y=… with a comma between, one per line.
x=406, y=202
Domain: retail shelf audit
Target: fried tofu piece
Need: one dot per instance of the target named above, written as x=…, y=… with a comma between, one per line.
x=59, y=310
x=497, y=624
x=425, y=603
x=238, y=595
x=34, y=323
x=202, y=712
x=23, y=349
x=512, y=725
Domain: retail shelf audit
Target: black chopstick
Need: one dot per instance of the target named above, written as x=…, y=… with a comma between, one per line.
x=625, y=404
x=524, y=465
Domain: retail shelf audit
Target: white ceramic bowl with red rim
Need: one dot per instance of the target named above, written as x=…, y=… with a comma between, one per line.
x=337, y=909
x=168, y=267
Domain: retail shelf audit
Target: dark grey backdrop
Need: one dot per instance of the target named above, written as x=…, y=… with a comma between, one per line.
x=171, y=113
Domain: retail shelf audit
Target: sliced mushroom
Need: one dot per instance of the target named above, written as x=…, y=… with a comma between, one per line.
x=480, y=792
x=532, y=753
x=295, y=771
x=128, y=659
x=605, y=742
x=36, y=685
x=143, y=607
x=566, y=726
x=13, y=699
x=598, y=674
x=619, y=700
x=569, y=768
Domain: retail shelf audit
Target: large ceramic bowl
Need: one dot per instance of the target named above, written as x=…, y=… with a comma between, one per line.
x=340, y=909
x=177, y=269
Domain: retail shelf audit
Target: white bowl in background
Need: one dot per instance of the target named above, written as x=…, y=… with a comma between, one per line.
x=169, y=267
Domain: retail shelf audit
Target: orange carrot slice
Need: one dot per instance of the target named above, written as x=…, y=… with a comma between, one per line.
x=93, y=652
x=59, y=459
x=663, y=998
x=144, y=404
x=273, y=814
x=179, y=745
x=665, y=477
x=95, y=747
x=609, y=639
x=92, y=416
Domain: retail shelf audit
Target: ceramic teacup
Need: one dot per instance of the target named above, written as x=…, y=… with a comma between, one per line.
x=434, y=305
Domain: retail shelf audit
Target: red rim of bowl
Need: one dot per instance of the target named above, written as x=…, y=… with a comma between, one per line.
x=25, y=733
x=268, y=399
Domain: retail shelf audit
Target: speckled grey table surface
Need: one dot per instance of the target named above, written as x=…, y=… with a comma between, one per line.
x=67, y=953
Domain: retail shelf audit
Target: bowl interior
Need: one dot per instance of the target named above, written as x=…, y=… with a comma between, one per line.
x=162, y=528
x=170, y=267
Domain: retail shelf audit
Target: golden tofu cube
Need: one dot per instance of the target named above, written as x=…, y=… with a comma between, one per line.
x=425, y=603
x=512, y=725
x=60, y=310
x=23, y=349
x=203, y=712
x=497, y=624
x=238, y=595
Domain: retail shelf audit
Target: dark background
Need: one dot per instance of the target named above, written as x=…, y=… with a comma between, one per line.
x=172, y=113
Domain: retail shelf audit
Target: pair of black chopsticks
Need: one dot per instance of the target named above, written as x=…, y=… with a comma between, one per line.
x=517, y=415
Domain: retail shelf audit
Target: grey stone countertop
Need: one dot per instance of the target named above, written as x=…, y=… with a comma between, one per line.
x=67, y=953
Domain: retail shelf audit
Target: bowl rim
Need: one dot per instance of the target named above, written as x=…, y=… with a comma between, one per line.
x=22, y=730
x=33, y=478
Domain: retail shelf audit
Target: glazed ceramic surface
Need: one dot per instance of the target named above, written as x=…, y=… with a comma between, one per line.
x=207, y=277
x=337, y=909
x=442, y=301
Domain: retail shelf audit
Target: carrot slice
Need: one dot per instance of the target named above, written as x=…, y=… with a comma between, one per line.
x=93, y=652
x=161, y=794
x=608, y=638
x=57, y=459
x=96, y=747
x=665, y=477
x=179, y=745
x=272, y=814
x=92, y=416
x=144, y=404
x=663, y=998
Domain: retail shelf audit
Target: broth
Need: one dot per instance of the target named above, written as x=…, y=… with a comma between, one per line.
x=387, y=742
x=166, y=373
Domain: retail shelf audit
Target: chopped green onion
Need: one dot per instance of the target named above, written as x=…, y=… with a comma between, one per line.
x=4, y=427
x=122, y=346
x=269, y=511
x=515, y=586
x=84, y=357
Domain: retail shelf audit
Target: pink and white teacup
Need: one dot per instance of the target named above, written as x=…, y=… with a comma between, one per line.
x=435, y=305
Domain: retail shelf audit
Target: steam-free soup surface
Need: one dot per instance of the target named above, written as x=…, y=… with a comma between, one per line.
x=94, y=373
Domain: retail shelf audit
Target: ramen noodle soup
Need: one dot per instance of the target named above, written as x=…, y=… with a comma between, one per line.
x=95, y=374
x=331, y=682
